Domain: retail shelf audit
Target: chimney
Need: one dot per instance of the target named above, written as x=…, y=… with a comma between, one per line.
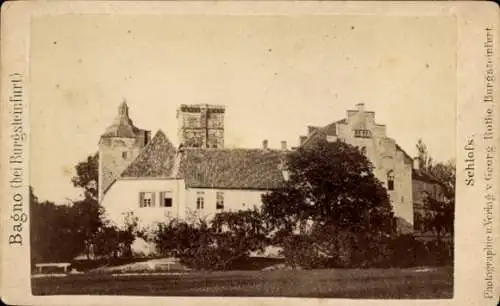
x=264, y=144
x=302, y=139
x=416, y=163
x=283, y=145
x=360, y=107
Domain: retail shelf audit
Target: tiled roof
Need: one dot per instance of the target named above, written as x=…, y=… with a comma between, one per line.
x=321, y=133
x=418, y=174
x=156, y=159
x=232, y=168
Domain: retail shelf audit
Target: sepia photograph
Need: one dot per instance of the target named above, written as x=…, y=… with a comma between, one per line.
x=278, y=156
x=249, y=152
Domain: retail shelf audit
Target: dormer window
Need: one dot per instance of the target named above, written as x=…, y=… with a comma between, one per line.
x=362, y=133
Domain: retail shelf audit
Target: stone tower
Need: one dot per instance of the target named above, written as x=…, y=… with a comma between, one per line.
x=201, y=126
x=118, y=147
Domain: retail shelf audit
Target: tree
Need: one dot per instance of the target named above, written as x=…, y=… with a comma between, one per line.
x=87, y=222
x=333, y=197
x=443, y=207
x=52, y=234
x=99, y=239
x=440, y=207
x=424, y=159
x=87, y=176
x=236, y=235
x=111, y=242
x=227, y=240
x=440, y=215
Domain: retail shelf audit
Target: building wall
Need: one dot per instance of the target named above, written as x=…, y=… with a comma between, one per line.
x=234, y=200
x=384, y=155
x=112, y=161
x=123, y=197
x=201, y=125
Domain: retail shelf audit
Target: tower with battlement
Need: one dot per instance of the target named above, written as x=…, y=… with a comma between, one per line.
x=119, y=145
x=201, y=126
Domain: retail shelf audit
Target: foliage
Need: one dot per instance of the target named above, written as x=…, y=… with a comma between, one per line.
x=61, y=232
x=52, y=234
x=229, y=238
x=87, y=176
x=424, y=159
x=87, y=222
x=333, y=197
x=111, y=242
x=440, y=207
x=407, y=251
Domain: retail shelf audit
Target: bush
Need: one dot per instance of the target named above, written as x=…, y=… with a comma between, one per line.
x=227, y=240
x=407, y=251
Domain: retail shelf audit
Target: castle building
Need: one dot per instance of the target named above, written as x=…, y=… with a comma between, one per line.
x=201, y=126
x=197, y=179
x=392, y=165
x=156, y=180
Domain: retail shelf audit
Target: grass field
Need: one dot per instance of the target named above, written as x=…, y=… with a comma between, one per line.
x=337, y=283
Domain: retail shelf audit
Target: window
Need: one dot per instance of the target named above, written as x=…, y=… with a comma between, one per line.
x=146, y=199
x=219, y=201
x=166, y=199
x=200, y=200
x=390, y=180
x=363, y=150
x=124, y=154
x=361, y=133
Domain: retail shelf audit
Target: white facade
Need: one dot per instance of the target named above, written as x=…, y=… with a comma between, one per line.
x=125, y=196
x=232, y=200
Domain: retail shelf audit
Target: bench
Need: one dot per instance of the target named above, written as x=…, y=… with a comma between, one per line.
x=62, y=265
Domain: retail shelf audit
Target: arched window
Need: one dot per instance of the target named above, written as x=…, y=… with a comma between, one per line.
x=390, y=180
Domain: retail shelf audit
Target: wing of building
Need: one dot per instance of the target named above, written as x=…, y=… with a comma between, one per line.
x=392, y=165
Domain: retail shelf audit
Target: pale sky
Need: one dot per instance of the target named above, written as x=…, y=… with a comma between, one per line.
x=275, y=74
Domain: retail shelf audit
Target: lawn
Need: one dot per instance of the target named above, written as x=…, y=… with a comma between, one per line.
x=335, y=283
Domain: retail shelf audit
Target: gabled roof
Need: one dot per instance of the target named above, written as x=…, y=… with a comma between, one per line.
x=232, y=168
x=321, y=133
x=156, y=159
x=406, y=155
x=421, y=175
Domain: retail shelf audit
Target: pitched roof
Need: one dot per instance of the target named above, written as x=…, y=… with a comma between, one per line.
x=155, y=160
x=421, y=175
x=408, y=157
x=321, y=133
x=232, y=168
